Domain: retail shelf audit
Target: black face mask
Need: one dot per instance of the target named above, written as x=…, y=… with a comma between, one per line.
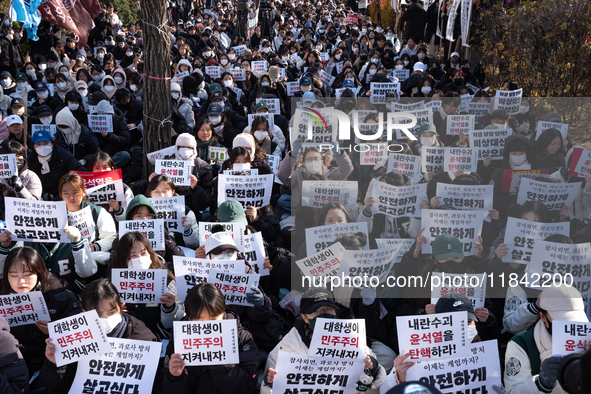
x=20, y=163
x=363, y=58
x=549, y=328
x=458, y=81
x=107, y=72
x=452, y=267
x=465, y=70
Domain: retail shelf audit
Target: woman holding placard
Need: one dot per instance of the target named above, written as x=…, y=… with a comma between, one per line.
x=102, y=296
x=26, y=183
x=134, y=251
x=549, y=149
x=206, y=137
x=205, y=302
x=25, y=272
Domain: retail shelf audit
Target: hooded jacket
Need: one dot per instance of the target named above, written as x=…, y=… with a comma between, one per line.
x=105, y=79
x=81, y=142
x=120, y=139
x=119, y=70
x=186, y=63
x=14, y=375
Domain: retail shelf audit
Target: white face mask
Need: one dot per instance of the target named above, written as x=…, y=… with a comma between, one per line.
x=375, y=61
x=226, y=256
x=314, y=167
x=140, y=263
x=266, y=49
x=109, y=88
x=224, y=62
x=265, y=83
x=215, y=119
x=45, y=120
x=260, y=135
x=207, y=54
x=31, y=73
x=306, y=88
x=372, y=71
x=337, y=56
x=186, y=153
x=67, y=130
x=319, y=48
x=83, y=92
x=100, y=56
x=44, y=150
x=118, y=80
x=61, y=85
x=65, y=74
x=517, y=160
x=472, y=332
x=523, y=109
x=421, y=56
x=21, y=85
x=175, y=95
x=133, y=88
x=128, y=54
x=228, y=83
x=405, y=62
x=111, y=322
x=73, y=107
x=232, y=56
x=42, y=66
x=399, y=67
x=43, y=95
x=426, y=90
x=97, y=77
x=428, y=141
x=5, y=82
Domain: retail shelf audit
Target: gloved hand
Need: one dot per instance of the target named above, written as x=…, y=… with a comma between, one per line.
x=523, y=128
x=255, y=297
x=296, y=147
x=188, y=222
x=335, y=149
x=549, y=372
x=587, y=183
x=83, y=162
x=17, y=184
x=73, y=234
x=369, y=295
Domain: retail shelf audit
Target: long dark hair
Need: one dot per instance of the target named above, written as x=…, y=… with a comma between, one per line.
x=156, y=181
x=204, y=296
x=214, y=139
x=546, y=139
x=538, y=208
x=99, y=290
x=32, y=261
x=124, y=246
x=333, y=205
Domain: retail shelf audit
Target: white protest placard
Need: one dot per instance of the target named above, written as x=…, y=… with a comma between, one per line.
x=472, y=286
x=273, y=104
x=191, y=271
x=360, y=264
x=509, y=100
x=479, y=110
x=402, y=75
x=305, y=121
x=465, y=99
x=456, y=159
x=248, y=190
x=323, y=264
x=153, y=230
x=553, y=263
x=209, y=342
x=247, y=171
x=102, y=194
x=233, y=286
x=213, y=71
x=324, y=56
x=178, y=170
x=24, y=308
x=432, y=159
x=421, y=115
x=476, y=372
x=409, y=165
x=129, y=366
x=580, y=167
x=398, y=201
x=84, y=222
x=139, y=286
x=254, y=252
x=326, y=78
x=570, y=337
x=292, y=88
x=400, y=107
x=375, y=130
x=298, y=373
x=405, y=245
x=543, y=126
x=217, y=154
x=460, y=124
x=235, y=229
x=259, y=67
x=179, y=76
x=273, y=162
x=433, y=105
x=433, y=337
x=8, y=166
x=321, y=237
x=381, y=90
x=373, y=153
x=339, y=67
x=77, y=337
x=520, y=236
x=465, y=196
x=269, y=116
x=98, y=123
x=553, y=195
x=452, y=13
x=50, y=127
x=238, y=92
x=238, y=74
x=160, y=154
x=241, y=50
x=465, y=225
x=519, y=176
x=171, y=210
x=489, y=142
x=338, y=338
x=317, y=194
x=36, y=221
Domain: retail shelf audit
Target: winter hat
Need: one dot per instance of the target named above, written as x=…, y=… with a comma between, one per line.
x=563, y=303
x=185, y=140
x=518, y=145
x=246, y=141
x=274, y=72
x=175, y=87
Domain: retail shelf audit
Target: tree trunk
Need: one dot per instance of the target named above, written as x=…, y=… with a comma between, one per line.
x=242, y=23
x=157, y=100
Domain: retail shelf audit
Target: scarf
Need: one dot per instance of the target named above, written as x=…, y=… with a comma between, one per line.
x=543, y=340
x=45, y=163
x=120, y=329
x=203, y=148
x=304, y=331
